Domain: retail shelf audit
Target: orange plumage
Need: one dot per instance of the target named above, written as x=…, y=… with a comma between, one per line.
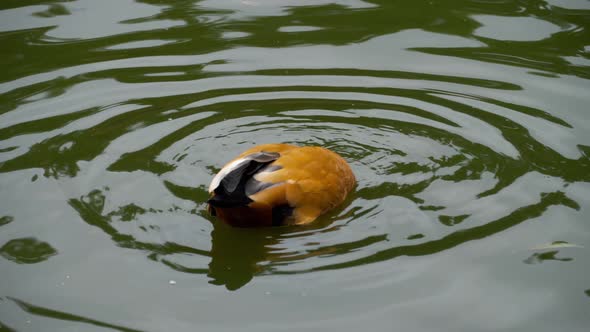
x=279, y=184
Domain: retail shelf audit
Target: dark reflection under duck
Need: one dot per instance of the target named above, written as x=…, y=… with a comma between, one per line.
x=237, y=254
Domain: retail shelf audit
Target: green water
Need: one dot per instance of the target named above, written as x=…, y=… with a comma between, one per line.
x=466, y=123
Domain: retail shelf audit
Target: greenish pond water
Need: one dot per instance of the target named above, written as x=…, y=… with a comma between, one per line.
x=466, y=123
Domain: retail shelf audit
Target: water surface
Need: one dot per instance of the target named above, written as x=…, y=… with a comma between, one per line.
x=465, y=122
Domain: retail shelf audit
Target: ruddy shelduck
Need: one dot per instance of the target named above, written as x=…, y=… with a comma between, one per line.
x=279, y=184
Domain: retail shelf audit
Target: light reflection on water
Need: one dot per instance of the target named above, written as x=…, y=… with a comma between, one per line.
x=465, y=125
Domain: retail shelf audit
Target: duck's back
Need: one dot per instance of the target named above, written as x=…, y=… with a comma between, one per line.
x=280, y=184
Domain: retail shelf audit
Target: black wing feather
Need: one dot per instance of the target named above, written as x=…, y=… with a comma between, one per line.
x=234, y=188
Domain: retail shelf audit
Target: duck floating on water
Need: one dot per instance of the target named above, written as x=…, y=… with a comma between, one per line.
x=279, y=184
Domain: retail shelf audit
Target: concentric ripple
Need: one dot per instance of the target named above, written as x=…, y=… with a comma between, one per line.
x=457, y=133
x=435, y=167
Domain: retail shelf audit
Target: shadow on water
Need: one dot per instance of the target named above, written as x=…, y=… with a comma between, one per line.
x=463, y=236
x=338, y=25
x=90, y=208
x=238, y=255
x=27, y=250
x=235, y=254
x=55, y=314
x=538, y=258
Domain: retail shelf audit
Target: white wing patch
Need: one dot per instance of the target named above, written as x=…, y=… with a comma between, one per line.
x=225, y=171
